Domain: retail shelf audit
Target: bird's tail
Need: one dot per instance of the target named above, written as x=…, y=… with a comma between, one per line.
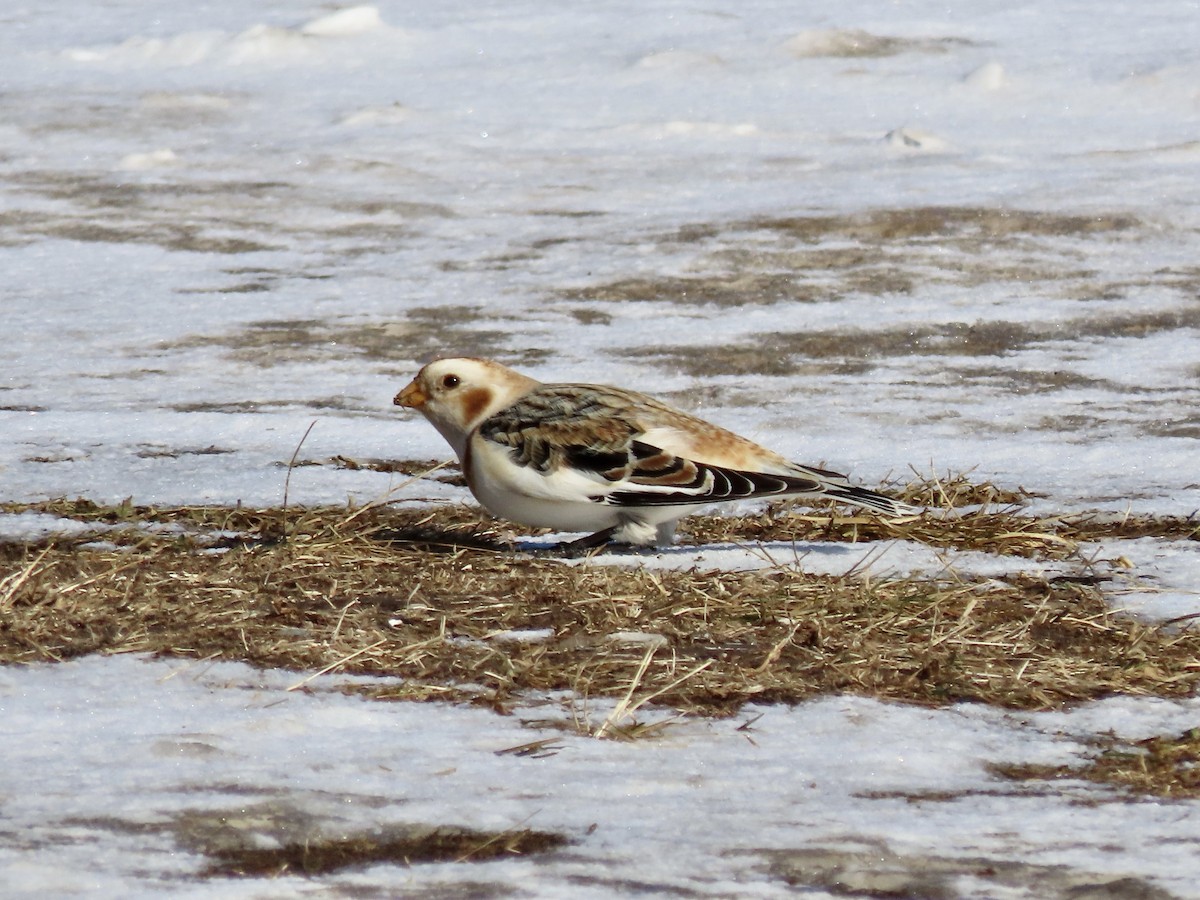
x=837, y=487
x=870, y=500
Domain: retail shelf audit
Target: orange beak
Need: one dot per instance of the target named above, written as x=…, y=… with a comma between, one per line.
x=411, y=397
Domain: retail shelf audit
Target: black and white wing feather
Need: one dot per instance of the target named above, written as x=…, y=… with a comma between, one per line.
x=593, y=444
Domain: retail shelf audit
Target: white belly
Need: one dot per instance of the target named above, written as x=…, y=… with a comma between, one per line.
x=560, y=500
x=563, y=515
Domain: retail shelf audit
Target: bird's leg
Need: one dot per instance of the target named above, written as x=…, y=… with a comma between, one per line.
x=582, y=545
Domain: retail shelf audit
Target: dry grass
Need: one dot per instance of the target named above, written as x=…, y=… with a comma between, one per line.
x=1001, y=533
x=965, y=515
x=433, y=596
x=1165, y=766
x=397, y=845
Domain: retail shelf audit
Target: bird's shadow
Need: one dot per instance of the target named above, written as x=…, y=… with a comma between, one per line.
x=769, y=552
x=435, y=540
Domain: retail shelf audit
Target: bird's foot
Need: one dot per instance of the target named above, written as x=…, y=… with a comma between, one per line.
x=585, y=545
x=601, y=541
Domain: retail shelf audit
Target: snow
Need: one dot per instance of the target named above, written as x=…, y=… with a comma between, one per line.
x=221, y=223
x=697, y=808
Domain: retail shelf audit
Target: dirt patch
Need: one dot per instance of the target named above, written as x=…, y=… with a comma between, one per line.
x=451, y=473
x=589, y=316
x=278, y=836
x=742, y=289
x=806, y=259
x=845, y=352
x=853, y=43
x=787, y=353
x=272, y=841
x=103, y=192
x=252, y=406
x=1183, y=427
x=925, y=222
x=420, y=333
x=874, y=870
x=230, y=217
x=156, y=451
x=167, y=236
x=1032, y=381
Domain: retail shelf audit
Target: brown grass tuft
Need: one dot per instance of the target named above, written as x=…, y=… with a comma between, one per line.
x=432, y=596
x=396, y=845
x=1166, y=766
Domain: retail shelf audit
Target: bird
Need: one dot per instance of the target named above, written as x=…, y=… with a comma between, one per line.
x=612, y=462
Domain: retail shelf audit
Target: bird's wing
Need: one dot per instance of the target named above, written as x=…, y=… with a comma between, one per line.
x=587, y=443
x=657, y=477
x=660, y=478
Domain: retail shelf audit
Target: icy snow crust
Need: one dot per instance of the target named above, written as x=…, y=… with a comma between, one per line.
x=95, y=798
x=224, y=222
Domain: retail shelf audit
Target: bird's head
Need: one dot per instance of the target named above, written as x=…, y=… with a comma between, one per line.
x=457, y=394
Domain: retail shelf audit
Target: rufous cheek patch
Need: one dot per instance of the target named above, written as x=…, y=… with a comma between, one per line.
x=474, y=402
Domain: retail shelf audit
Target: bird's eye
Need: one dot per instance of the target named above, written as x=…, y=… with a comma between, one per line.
x=450, y=381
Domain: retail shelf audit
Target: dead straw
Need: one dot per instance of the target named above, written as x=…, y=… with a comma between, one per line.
x=422, y=594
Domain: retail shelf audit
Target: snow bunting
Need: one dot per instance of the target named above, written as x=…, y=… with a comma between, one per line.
x=585, y=457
